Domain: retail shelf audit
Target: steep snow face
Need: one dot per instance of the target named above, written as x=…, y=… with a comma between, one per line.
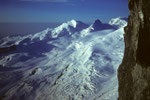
x=86, y=31
x=82, y=66
x=65, y=26
x=118, y=22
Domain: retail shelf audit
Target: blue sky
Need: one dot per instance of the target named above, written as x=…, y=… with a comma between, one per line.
x=61, y=10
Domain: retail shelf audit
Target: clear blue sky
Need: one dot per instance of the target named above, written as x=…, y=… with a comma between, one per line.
x=61, y=10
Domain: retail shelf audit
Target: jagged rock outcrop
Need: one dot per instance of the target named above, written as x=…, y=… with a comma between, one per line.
x=134, y=72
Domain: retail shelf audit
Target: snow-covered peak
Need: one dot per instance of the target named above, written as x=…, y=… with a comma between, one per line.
x=64, y=26
x=68, y=28
x=118, y=22
x=72, y=23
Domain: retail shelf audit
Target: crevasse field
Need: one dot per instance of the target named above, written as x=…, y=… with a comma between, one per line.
x=73, y=61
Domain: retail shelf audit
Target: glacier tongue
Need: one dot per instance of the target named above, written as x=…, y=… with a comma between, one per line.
x=81, y=66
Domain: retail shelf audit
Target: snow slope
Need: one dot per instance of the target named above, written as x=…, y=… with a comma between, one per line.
x=79, y=65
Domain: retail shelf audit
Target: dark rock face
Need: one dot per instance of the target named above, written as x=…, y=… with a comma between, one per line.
x=134, y=72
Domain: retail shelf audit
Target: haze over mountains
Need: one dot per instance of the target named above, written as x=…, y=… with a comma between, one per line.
x=13, y=29
x=73, y=61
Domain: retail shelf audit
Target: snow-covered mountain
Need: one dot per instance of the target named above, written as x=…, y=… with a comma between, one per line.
x=118, y=22
x=68, y=28
x=69, y=62
x=65, y=29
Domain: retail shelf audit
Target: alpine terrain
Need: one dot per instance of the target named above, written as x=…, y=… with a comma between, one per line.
x=73, y=61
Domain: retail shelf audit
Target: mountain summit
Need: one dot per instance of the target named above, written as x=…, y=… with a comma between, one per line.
x=98, y=25
x=68, y=28
x=97, y=22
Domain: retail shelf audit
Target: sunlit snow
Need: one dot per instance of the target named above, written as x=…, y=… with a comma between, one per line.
x=64, y=63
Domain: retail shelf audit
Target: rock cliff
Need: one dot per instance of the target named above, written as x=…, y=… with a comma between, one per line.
x=134, y=72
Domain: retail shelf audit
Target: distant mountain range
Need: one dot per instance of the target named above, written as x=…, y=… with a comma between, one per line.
x=66, y=29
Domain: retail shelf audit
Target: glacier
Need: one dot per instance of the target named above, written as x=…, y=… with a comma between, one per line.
x=73, y=61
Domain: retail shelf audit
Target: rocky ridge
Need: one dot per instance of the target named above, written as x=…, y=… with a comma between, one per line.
x=134, y=72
